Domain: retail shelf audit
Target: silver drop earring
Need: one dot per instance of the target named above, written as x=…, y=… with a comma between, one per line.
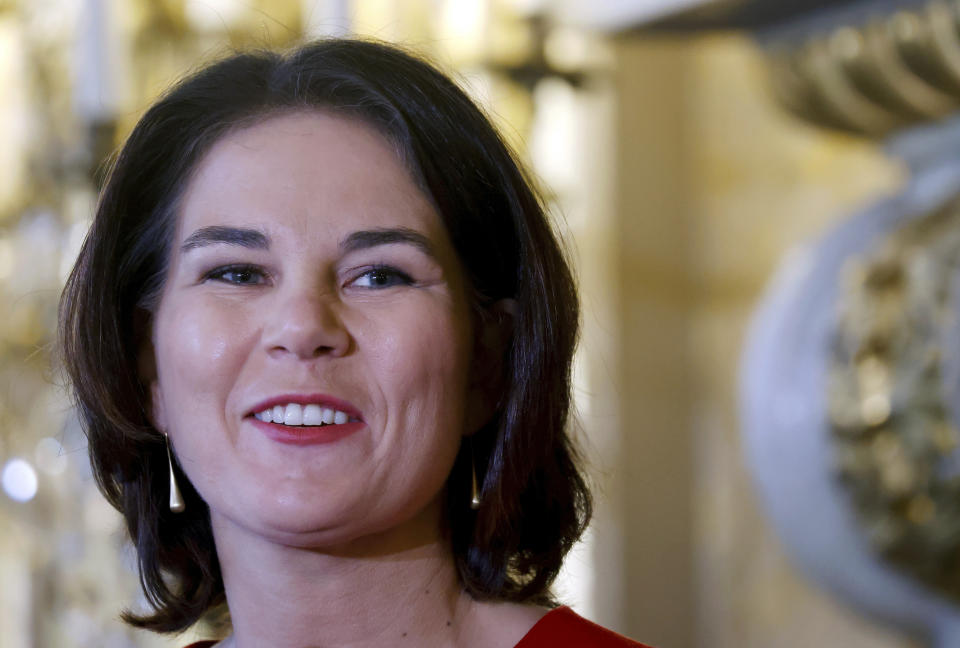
x=474, y=491
x=177, y=505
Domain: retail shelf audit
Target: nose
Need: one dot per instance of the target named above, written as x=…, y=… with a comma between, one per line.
x=305, y=326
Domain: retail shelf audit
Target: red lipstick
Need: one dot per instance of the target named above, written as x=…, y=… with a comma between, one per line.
x=308, y=434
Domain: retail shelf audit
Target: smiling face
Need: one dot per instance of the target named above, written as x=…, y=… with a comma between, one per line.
x=308, y=269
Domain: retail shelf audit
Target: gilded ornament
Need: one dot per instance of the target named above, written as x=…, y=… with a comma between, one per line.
x=894, y=438
x=874, y=77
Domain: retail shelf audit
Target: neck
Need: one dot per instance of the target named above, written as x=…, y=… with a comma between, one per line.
x=391, y=590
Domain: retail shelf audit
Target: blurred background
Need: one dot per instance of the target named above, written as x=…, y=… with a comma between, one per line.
x=689, y=149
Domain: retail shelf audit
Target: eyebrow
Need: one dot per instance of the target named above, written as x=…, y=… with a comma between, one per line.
x=248, y=238
x=372, y=238
x=257, y=240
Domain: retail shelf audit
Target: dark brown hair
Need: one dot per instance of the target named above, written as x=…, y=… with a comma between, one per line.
x=535, y=501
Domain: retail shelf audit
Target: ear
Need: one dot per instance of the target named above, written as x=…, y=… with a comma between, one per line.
x=147, y=369
x=491, y=340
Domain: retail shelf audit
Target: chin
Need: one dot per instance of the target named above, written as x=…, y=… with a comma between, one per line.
x=303, y=529
x=348, y=527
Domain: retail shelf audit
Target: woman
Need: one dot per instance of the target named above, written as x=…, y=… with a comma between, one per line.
x=320, y=336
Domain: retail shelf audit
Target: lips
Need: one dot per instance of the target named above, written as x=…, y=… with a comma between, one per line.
x=306, y=419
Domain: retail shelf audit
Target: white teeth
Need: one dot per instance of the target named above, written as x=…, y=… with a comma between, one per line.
x=293, y=415
x=312, y=415
x=296, y=414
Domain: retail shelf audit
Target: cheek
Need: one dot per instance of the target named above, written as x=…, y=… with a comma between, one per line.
x=197, y=354
x=418, y=358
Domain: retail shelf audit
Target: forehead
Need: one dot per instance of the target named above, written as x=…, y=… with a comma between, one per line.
x=304, y=171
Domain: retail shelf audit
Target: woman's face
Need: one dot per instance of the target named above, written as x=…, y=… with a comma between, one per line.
x=309, y=273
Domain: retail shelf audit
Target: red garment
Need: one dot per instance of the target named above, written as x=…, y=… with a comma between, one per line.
x=564, y=628
x=559, y=628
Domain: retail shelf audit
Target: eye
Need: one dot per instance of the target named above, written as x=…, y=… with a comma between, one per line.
x=381, y=277
x=239, y=274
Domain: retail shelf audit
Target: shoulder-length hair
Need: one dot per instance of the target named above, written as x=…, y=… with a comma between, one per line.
x=535, y=503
